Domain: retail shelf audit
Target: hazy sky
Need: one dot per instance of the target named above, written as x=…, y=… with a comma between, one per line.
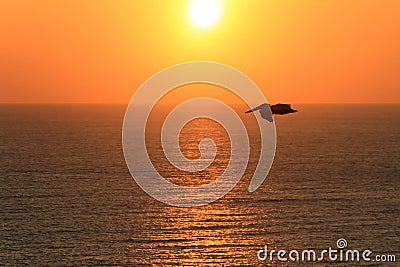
x=310, y=51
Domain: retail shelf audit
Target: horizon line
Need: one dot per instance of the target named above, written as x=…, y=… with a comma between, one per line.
x=127, y=103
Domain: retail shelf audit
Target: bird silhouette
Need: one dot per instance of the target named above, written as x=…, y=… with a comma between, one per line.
x=267, y=110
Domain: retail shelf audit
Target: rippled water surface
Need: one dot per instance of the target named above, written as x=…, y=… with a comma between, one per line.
x=67, y=198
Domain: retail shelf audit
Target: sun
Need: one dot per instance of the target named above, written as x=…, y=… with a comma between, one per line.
x=204, y=13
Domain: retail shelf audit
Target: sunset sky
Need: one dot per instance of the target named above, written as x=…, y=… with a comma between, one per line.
x=311, y=51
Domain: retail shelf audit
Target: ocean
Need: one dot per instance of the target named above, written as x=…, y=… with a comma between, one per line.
x=68, y=199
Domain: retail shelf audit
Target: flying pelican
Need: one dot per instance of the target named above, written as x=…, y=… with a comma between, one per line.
x=280, y=109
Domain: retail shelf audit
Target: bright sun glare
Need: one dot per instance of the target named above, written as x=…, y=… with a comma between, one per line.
x=204, y=13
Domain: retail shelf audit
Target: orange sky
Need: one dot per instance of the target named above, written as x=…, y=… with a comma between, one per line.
x=310, y=51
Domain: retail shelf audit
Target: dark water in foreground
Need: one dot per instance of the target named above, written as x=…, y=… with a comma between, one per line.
x=67, y=198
